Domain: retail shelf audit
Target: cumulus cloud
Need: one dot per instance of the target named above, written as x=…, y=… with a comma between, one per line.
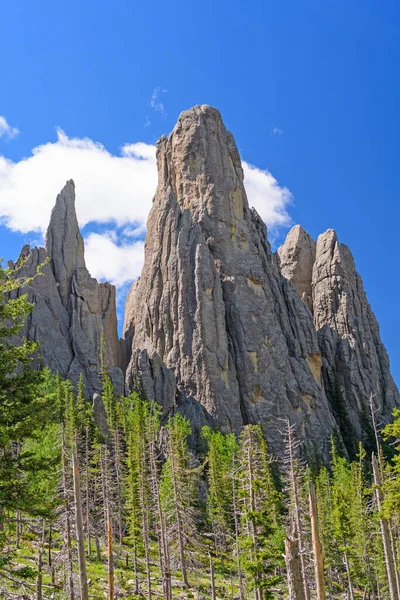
x=115, y=190
x=108, y=260
x=110, y=188
x=270, y=200
x=6, y=130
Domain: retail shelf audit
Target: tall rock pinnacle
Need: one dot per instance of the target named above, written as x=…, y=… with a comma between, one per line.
x=297, y=258
x=64, y=242
x=71, y=309
x=355, y=362
x=211, y=311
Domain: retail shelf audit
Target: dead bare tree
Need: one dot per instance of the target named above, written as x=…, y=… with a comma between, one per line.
x=79, y=529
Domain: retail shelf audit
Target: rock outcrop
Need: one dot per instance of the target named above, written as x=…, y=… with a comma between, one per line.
x=211, y=312
x=71, y=309
x=355, y=362
x=217, y=327
x=296, y=259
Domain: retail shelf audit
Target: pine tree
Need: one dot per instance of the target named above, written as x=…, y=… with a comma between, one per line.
x=261, y=531
x=178, y=493
x=21, y=408
x=219, y=499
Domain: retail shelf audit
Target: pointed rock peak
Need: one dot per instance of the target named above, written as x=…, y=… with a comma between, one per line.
x=64, y=243
x=199, y=162
x=328, y=237
x=299, y=234
x=296, y=258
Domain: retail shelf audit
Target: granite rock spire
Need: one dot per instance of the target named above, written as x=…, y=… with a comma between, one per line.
x=211, y=320
x=71, y=309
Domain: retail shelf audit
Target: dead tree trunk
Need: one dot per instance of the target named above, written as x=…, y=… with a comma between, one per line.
x=110, y=560
x=179, y=523
x=164, y=556
x=145, y=521
x=87, y=490
x=39, y=578
x=349, y=581
x=294, y=569
x=316, y=542
x=212, y=577
x=389, y=562
x=252, y=503
x=79, y=529
x=118, y=483
x=296, y=507
x=67, y=517
x=236, y=521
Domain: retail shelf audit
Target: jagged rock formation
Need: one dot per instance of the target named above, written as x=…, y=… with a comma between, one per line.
x=355, y=362
x=211, y=306
x=296, y=259
x=217, y=327
x=71, y=309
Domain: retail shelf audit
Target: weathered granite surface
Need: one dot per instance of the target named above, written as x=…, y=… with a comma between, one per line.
x=217, y=326
x=355, y=362
x=211, y=306
x=71, y=309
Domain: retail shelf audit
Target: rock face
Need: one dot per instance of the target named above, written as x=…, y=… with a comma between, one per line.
x=217, y=326
x=71, y=309
x=355, y=362
x=211, y=319
x=296, y=259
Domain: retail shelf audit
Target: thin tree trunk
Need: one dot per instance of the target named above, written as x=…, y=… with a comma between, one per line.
x=145, y=522
x=394, y=553
x=294, y=570
x=349, y=581
x=135, y=570
x=212, y=577
x=236, y=520
x=67, y=517
x=168, y=562
x=316, y=542
x=103, y=466
x=296, y=503
x=118, y=481
x=252, y=524
x=179, y=523
x=87, y=490
x=164, y=559
x=389, y=562
x=18, y=528
x=79, y=529
x=110, y=560
x=165, y=567
x=39, y=578
x=50, y=541
x=97, y=543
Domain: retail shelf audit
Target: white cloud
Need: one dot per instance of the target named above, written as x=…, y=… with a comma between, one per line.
x=112, y=190
x=109, y=188
x=6, y=130
x=155, y=101
x=270, y=200
x=115, y=263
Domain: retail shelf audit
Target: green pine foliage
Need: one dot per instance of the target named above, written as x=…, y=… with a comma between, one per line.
x=179, y=519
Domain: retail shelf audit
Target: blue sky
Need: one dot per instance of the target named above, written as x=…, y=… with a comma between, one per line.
x=309, y=88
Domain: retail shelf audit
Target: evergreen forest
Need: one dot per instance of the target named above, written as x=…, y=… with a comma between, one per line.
x=134, y=505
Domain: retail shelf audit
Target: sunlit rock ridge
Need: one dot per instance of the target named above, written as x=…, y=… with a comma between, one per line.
x=217, y=326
